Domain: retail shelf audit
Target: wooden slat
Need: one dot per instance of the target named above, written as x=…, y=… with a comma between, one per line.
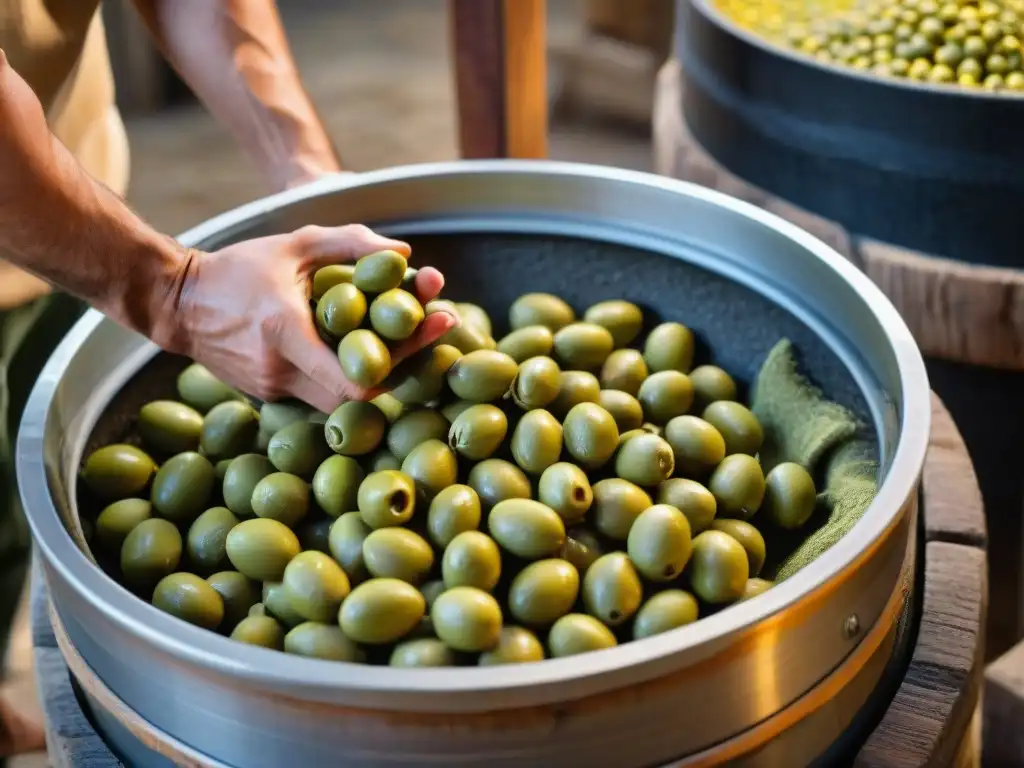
x=498, y=49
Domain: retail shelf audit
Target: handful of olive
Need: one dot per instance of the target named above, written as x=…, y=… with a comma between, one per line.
x=555, y=492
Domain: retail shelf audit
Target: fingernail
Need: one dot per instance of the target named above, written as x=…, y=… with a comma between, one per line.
x=453, y=321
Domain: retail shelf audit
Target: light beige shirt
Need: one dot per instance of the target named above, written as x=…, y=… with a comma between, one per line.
x=59, y=48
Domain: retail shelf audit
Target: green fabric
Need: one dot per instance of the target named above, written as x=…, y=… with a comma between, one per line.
x=28, y=335
x=802, y=426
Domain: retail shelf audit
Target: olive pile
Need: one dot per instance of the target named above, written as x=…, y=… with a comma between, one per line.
x=548, y=494
x=971, y=43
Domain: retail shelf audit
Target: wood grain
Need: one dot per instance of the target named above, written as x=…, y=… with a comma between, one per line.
x=499, y=55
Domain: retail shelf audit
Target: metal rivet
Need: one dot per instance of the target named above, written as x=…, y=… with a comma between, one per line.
x=851, y=627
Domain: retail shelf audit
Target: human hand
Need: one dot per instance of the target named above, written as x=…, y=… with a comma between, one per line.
x=243, y=312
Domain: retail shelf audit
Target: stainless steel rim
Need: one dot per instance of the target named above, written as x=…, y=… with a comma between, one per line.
x=601, y=670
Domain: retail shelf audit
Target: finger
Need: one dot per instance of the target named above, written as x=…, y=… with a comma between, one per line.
x=433, y=327
x=429, y=283
x=322, y=246
x=311, y=393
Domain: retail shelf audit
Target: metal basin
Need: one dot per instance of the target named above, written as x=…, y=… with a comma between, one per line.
x=739, y=276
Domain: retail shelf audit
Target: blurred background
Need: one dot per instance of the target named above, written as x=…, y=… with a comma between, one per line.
x=380, y=74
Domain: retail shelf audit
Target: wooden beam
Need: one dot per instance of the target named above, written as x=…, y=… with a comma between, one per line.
x=500, y=57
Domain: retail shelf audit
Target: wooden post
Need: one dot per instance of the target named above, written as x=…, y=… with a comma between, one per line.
x=499, y=53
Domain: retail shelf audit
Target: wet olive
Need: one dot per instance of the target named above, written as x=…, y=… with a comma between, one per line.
x=340, y=310
x=789, y=495
x=398, y=553
x=465, y=337
x=169, y=427
x=423, y=377
x=315, y=585
x=482, y=376
x=379, y=271
x=416, y=427
x=698, y=447
x=206, y=538
x=386, y=498
x=665, y=395
x=624, y=408
x=531, y=341
x=475, y=316
x=663, y=612
x=119, y=519
x=277, y=604
x=336, y=485
x=281, y=496
x=574, y=387
x=583, y=346
x=322, y=641
x=345, y=542
x=229, y=430
x=749, y=538
x=515, y=646
x=478, y=431
x=537, y=383
x=261, y=548
x=624, y=370
x=381, y=611
x=432, y=466
x=565, y=488
x=467, y=619
x=454, y=510
x=669, y=347
x=471, y=559
x=298, y=448
x=645, y=460
x=240, y=479
x=364, y=358
x=582, y=548
x=738, y=426
x=718, y=567
x=691, y=498
x=190, y=598
x=327, y=277
x=659, y=542
x=578, y=633
x=396, y=314
x=540, y=309
x=384, y=459
x=183, y=487
x=276, y=416
x=422, y=652
x=617, y=505
x=590, y=435
x=755, y=587
x=711, y=384
x=738, y=486
x=202, y=390
x=611, y=590
x=537, y=441
x=238, y=593
x=526, y=528
x=118, y=471
x=151, y=550
x=263, y=631
x=622, y=319
x=544, y=591
x=496, y=480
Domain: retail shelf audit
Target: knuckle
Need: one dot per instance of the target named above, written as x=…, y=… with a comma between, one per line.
x=308, y=236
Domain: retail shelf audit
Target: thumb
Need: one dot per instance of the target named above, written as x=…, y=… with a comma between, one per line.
x=323, y=246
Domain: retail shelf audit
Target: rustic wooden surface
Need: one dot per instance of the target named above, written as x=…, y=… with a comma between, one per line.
x=499, y=54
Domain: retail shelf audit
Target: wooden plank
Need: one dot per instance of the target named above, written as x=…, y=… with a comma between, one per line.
x=498, y=49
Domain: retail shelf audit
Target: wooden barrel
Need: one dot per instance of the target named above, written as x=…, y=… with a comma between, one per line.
x=930, y=717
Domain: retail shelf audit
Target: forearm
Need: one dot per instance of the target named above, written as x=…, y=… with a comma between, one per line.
x=235, y=57
x=59, y=224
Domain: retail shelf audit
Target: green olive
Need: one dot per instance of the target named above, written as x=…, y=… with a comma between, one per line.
x=590, y=435
x=623, y=319
x=118, y=471
x=315, y=585
x=617, y=505
x=381, y=611
x=475, y=316
x=453, y=510
x=612, y=591
x=169, y=427
x=496, y=480
x=537, y=441
x=151, y=551
x=665, y=395
x=465, y=337
x=582, y=548
x=336, y=485
x=645, y=460
x=482, y=376
x=379, y=272
x=565, y=488
x=537, y=383
x=202, y=390
x=384, y=459
x=669, y=347
x=386, y=498
x=364, y=358
x=789, y=495
x=718, y=567
x=540, y=309
x=261, y=548
x=663, y=612
x=340, y=310
x=467, y=619
x=345, y=542
x=281, y=496
x=190, y=598
x=583, y=346
x=206, y=538
x=578, y=633
x=423, y=377
x=544, y=591
x=241, y=478
x=183, y=487
x=396, y=314
x=526, y=528
x=327, y=277
x=422, y=652
x=574, y=387
x=624, y=408
x=659, y=543
x=315, y=534
x=229, y=430
x=698, y=446
x=515, y=646
x=756, y=587
x=531, y=341
x=322, y=641
x=749, y=538
x=398, y=553
x=738, y=426
x=711, y=384
x=624, y=370
x=738, y=486
x=238, y=593
x=471, y=559
x=416, y=427
x=478, y=431
x=119, y=519
x=432, y=466
x=263, y=631
x=691, y=498
x=276, y=603
x=299, y=448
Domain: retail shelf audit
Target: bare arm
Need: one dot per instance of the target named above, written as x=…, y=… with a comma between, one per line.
x=235, y=57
